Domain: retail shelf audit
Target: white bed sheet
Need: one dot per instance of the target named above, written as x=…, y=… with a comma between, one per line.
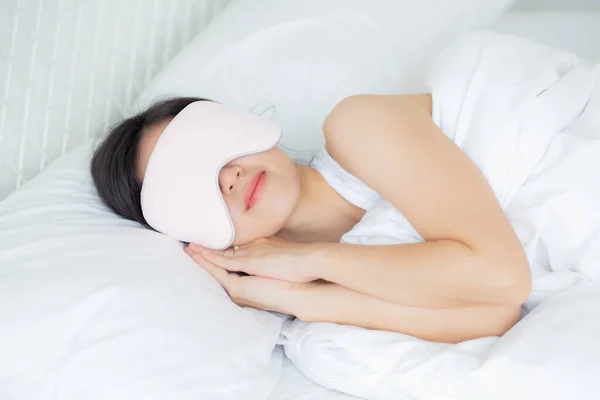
x=295, y=386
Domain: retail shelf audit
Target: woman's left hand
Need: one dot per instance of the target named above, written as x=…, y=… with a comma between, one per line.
x=270, y=257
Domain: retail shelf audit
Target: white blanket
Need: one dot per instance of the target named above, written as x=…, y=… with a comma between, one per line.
x=529, y=117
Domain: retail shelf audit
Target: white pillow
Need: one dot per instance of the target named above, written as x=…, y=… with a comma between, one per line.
x=305, y=56
x=95, y=307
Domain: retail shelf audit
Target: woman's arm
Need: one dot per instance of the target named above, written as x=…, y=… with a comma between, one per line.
x=471, y=252
x=436, y=274
x=328, y=302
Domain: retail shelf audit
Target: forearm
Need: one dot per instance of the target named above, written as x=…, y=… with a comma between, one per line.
x=438, y=274
x=333, y=303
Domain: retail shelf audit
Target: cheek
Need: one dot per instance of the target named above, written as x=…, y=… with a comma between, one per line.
x=243, y=228
x=280, y=202
x=267, y=217
x=283, y=198
x=249, y=228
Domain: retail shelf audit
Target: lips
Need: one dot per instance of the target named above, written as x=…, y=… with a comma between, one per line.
x=256, y=183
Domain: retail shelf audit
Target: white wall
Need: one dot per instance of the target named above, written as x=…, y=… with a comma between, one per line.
x=593, y=5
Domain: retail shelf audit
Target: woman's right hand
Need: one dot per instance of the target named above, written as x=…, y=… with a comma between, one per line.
x=257, y=292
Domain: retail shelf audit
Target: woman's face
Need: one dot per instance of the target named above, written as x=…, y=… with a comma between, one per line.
x=260, y=190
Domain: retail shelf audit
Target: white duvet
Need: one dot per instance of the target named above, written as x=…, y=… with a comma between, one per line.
x=529, y=117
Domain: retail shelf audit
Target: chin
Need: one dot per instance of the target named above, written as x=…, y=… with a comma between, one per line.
x=253, y=230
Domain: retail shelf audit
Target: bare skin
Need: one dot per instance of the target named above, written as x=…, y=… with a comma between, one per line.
x=467, y=280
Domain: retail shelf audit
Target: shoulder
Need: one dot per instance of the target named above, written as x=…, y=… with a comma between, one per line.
x=359, y=118
x=358, y=108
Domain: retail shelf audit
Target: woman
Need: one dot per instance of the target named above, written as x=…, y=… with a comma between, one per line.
x=468, y=278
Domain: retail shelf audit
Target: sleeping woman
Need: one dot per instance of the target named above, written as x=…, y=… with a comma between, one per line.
x=269, y=230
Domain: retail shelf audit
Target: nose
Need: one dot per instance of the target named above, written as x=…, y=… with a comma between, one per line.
x=229, y=178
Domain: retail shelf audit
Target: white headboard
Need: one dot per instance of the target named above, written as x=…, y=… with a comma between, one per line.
x=69, y=69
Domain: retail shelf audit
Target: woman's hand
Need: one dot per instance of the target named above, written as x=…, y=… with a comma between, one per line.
x=268, y=258
x=257, y=292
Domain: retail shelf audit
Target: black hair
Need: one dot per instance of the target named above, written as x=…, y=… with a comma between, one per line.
x=113, y=162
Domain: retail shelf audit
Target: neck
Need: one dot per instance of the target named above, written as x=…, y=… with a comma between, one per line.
x=321, y=214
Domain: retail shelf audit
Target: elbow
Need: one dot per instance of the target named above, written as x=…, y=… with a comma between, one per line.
x=487, y=321
x=518, y=291
x=513, y=283
x=503, y=319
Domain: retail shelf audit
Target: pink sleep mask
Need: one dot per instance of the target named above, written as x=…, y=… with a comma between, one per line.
x=180, y=195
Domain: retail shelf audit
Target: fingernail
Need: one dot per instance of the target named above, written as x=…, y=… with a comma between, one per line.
x=195, y=246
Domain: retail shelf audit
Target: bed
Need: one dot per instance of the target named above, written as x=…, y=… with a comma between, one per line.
x=99, y=65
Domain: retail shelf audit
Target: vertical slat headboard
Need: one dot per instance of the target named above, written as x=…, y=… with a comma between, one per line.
x=70, y=68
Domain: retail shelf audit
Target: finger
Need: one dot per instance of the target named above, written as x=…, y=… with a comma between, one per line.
x=196, y=248
x=218, y=261
x=232, y=252
x=223, y=261
x=222, y=276
x=230, y=282
x=195, y=254
x=242, y=251
x=206, y=264
x=229, y=253
x=198, y=253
